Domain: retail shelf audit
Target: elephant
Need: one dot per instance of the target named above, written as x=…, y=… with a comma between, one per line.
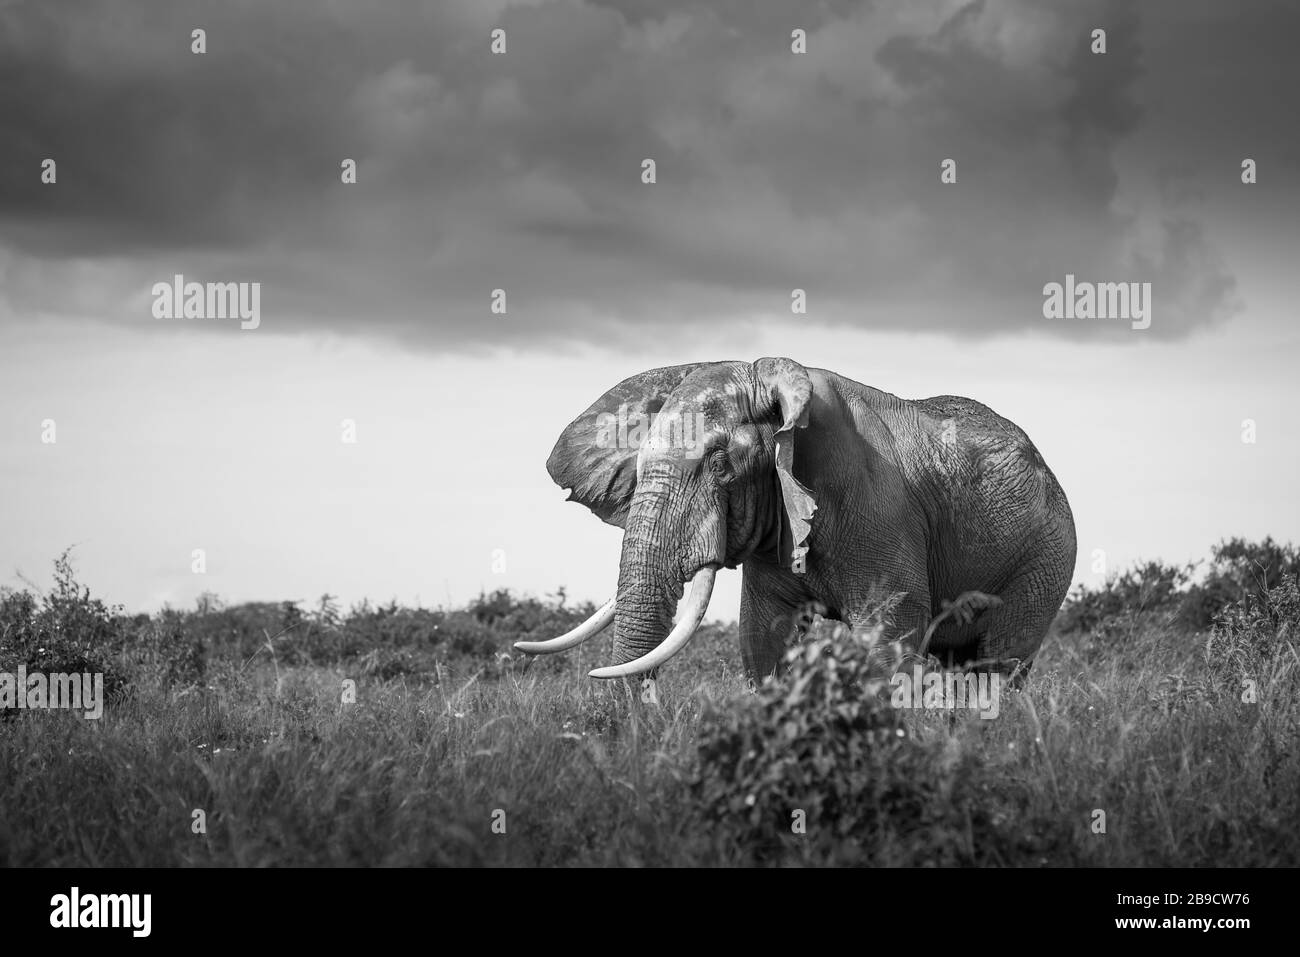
x=822, y=490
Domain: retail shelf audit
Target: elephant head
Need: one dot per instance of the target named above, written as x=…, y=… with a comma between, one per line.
x=694, y=463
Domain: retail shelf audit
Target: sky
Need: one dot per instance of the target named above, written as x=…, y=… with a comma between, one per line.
x=523, y=171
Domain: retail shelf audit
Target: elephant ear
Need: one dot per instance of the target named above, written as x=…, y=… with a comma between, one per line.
x=785, y=384
x=591, y=458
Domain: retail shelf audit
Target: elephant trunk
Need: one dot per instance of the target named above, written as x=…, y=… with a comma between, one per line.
x=650, y=585
x=678, y=638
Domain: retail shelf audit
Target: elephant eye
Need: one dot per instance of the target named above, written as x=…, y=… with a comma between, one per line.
x=719, y=465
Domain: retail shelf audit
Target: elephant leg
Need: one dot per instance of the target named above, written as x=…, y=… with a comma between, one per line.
x=771, y=602
x=1016, y=628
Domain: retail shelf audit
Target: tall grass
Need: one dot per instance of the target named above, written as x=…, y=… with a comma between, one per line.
x=454, y=752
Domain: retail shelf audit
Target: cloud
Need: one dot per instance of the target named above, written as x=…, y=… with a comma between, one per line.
x=522, y=171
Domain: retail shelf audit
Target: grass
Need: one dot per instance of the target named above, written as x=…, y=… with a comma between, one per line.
x=452, y=754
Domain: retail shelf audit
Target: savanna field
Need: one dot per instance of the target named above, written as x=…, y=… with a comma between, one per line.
x=1168, y=699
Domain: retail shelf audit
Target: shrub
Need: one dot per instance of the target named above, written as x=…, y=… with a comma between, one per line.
x=1155, y=591
x=1239, y=570
x=824, y=740
x=166, y=654
x=1114, y=608
x=1258, y=625
x=64, y=631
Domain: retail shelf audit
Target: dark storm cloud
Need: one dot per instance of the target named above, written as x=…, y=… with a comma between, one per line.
x=818, y=171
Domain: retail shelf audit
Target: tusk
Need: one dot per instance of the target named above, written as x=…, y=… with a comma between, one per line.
x=696, y=605
x=588, y=629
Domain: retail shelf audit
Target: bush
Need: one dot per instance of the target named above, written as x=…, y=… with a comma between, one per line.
x=65, y=631
x=1152, y=589
x=1241, y=570
x=1258, y=626
x=1168, y=594
x=383, y=641
x=825, y=740
x=166, y=653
